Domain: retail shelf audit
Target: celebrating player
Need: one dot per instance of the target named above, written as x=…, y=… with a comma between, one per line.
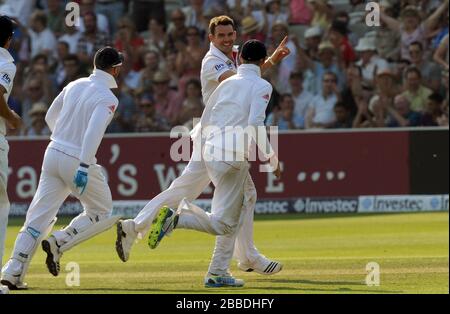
x=219, y=64
x=7, y=116
x=239, y=103
x=78, y=118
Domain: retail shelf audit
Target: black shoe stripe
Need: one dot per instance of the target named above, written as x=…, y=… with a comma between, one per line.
x=268, y=266
x=272, y=267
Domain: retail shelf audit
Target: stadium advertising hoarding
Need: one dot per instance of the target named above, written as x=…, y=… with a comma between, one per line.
x=322, y=172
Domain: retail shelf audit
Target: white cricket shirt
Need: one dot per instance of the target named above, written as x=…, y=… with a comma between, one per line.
x=80, y=114
x=7, y=73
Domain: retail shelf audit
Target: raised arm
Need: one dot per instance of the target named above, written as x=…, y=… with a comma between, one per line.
x=440, y=53
x=431, y=22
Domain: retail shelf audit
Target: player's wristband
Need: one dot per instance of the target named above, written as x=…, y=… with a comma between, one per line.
x=271, y=61
x=82, y=164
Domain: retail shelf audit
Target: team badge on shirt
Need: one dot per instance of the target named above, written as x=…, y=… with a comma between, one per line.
x=219, y=67
x=112, y=108
x=266, y=97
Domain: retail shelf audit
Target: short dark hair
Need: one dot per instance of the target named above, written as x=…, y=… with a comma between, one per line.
x=417, y=43
x=332, y=74
x=220, y=20
x=413, y=69
x=6, y=29
x=71, y=57
x=253, y=51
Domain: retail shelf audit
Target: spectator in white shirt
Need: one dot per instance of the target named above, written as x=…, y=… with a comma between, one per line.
x=369, y=61
x=42, y=38
x=302, y=98
x=321, y=112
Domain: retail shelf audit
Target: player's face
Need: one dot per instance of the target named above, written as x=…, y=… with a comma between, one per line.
x=224, y=38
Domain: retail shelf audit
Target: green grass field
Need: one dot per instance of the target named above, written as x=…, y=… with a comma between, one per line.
x=321, y=254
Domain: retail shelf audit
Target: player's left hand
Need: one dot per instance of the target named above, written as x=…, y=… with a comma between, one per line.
x=282, y=51
x=81, y=179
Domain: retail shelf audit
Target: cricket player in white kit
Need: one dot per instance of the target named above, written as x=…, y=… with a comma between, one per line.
x=219, y=64
x=237, y=105
x=78, y=118
x=7, y=116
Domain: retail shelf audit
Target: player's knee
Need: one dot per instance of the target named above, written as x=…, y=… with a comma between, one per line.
x=222, y=228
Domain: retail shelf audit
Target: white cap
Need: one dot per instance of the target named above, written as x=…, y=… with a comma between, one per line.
x=366, y=44
x=313, y=32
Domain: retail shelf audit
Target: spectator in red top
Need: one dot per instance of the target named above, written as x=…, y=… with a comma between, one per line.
x=167, y=101
x=129, y=41
x=338, y=37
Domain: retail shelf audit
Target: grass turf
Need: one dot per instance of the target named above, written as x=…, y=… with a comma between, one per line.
x=321, y=254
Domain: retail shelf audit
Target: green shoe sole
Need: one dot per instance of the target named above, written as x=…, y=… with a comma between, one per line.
x=156, y=234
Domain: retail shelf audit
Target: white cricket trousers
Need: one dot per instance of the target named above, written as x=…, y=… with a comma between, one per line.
x=4, y=201
x=189, y=185
x=227, y=210
x=55, y=185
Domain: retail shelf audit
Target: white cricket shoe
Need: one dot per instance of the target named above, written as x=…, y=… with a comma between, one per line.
x=51, y=247
x=262, y=265
x=12, y=281
x=126, y=235
x=4, y=289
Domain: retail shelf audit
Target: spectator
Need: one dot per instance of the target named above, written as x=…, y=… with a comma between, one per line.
x=125, y=115
x=285, y=117
x=302, y=98
x=91, y=40
x=343, y=117
x=62, y=52
x=416, y=93
x=441, y=54
x=144, y=10
x=387, y=40
x=275, y=14
x=38, y=126
x=41, y=37
x=129, y=42
x=412, y=28
x=251, y=30
x=155, y=37
x=299, y=16
x=353, y=89
x=401, y=115
x=167, y=102
x=71, y=36
x=148, y=118
x=177, y=30
x=323, y=13
x=192, y=105
x=369, y=61
x=73, y=70
x=386, y=89
x=279, y=31
x=189, y=58
x=151, y=66
x=112, y=10
x=194, y=15
x=430, y=71
x=55, y=16
x=34, y=93
x=88, y=6
x=338, y=37
x=434, y=114
x=321, y=112
x=313, y=37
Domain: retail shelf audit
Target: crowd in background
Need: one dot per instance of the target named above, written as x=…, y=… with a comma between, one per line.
x=341, y=73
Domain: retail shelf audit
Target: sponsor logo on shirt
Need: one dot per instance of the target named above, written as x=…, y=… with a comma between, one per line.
x=6, y=78
x=230, y=65
x=219, y=67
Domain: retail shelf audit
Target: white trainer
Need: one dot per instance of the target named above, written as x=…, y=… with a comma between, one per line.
x=4, y=289
x=51, y=247
x=262, y=265
x=12, y=282
x=126, y=236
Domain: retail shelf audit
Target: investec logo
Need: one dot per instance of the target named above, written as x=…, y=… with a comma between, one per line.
x=398, y=204
x=326, y=206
